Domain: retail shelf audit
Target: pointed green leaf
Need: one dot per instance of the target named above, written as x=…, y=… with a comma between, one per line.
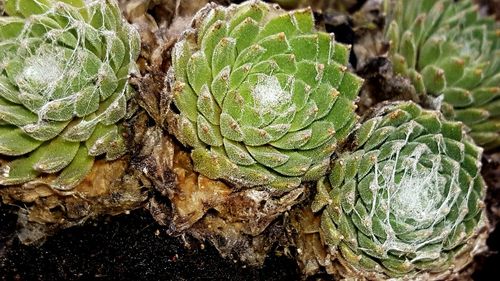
x=268, y=156
x=293, y=140
x=296, y=165
x=198, y=71
x=238, y=153
x=224, y=54
x=14, y=142
x=245, y=34
x=208, y=133
x=54, y=156
x=207, y=106
x=76, y=171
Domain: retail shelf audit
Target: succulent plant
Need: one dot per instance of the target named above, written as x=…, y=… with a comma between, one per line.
x=317, y=5
x=448, y=50
x=260, y=96
x=407, y=200
x=64, y=67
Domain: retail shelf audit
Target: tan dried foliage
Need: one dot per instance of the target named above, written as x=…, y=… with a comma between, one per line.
x=109, y=189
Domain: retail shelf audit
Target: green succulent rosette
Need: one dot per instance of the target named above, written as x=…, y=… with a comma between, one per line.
x=448, y=50
x=64, y=67
x=406, y=200
x=260, y=96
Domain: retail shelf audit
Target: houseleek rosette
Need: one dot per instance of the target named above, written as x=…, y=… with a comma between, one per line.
x=447, y=49
x=64, y=67
x=260, y=96
x=407, y=200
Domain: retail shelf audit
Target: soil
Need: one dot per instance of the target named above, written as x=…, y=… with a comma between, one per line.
x=125, y=247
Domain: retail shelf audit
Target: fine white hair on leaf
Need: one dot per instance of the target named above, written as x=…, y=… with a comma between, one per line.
x=43, y=70
x=407, y=190
x=268, y=94
x=49, y=70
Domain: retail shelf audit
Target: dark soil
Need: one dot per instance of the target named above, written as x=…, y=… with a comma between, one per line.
x=125, y=247
x=487, y=266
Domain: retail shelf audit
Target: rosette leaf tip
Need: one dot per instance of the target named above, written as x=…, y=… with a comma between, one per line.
x=64, y=67
x=261, y=97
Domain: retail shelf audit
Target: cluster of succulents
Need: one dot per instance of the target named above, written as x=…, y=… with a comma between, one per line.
x=258, y=103
x=404, y=195
x=64, y=67
x=448, y=50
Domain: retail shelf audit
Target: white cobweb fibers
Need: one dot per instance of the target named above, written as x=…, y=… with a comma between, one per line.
x=268, y=94
x=62, y=59
x=43, y=71
x=412, y=190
